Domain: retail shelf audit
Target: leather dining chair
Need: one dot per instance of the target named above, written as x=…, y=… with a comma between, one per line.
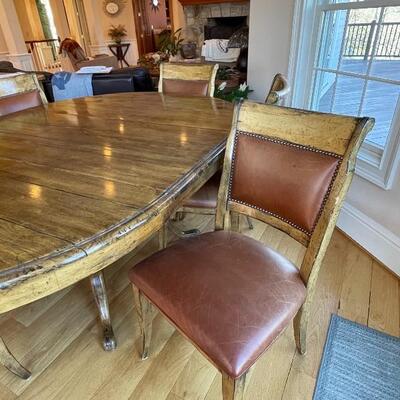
x=204, y=201
x=187, y=79
x=230, y=295
x=279, y=90
x=20, y=91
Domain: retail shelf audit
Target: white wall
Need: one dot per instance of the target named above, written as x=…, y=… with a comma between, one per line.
x=269, y=43
x=371, y=215
x=381, y=205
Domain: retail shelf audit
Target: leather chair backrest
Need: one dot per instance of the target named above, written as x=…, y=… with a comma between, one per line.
x=286, y=180
x=187, y=79
x=286, y=166
x=19, y=92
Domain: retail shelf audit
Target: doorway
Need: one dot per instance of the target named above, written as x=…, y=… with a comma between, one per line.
x=76, y=17
x=151, y=18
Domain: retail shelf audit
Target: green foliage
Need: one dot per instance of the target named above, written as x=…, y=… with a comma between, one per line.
x=171, y=42
x=116, y=33
x=44, y=19
x=240, y=92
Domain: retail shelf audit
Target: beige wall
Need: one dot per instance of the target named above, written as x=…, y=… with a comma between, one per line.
x=269, y=42
x=125, y=18
x=3, y=44
x=381, y=205
x=29, y=19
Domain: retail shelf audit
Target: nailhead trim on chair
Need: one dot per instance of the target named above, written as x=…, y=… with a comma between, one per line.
x=284, y=143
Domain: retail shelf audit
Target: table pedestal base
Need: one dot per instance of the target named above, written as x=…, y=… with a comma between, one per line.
x=11, y=363
x=100, y=296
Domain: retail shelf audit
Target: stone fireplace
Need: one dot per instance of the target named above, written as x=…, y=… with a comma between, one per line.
x=207, y=17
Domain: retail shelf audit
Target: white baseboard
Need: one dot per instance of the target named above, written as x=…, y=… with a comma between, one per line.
x=383, y=244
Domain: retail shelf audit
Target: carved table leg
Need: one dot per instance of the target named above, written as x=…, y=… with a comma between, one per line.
x=100, y=296
x=9, y=361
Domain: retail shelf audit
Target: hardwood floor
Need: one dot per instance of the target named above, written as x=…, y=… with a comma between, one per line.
x=58, y=338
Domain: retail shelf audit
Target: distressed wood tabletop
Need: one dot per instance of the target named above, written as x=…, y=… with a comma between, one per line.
x=85, y=181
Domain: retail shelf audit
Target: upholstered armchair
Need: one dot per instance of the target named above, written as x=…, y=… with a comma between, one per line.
x=74, y=58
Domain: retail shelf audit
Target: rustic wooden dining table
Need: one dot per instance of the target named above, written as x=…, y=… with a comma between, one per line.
x=84, y=182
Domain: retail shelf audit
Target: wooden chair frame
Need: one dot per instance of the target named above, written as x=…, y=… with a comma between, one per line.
x=206, y=72
x=331, y=133
x=20, y=83
x=279, y=90
x=328, y=133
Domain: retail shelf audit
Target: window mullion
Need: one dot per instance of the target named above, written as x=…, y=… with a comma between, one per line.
x=368, y=72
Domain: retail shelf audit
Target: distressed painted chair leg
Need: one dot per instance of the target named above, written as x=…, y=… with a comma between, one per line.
x=100, y=296
x=300, y=323
x=163, y=237
x=144, y=311
x=249, y=222
x=235, y=219
x=233, y=389
x=10, y=362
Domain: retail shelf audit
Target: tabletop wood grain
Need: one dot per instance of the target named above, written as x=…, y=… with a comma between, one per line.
x=85, y=181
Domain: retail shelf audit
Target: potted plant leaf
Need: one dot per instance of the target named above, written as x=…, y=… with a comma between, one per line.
x=116, y=33
x=240, y=92
x=171, y=43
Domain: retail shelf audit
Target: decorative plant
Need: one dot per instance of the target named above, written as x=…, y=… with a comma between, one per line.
x=240, y=92
x=224, y=73
x=152, y=60
x=116, y=33
x=171, y=42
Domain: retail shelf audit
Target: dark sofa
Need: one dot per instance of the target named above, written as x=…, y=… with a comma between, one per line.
x=136, y=79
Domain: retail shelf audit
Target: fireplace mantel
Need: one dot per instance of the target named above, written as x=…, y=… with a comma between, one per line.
x=201, y=2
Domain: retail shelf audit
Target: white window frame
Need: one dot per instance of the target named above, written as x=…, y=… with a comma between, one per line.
x=374, y=164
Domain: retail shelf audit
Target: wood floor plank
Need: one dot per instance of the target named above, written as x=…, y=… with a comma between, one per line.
x=6, y=394
x=356, y=286
x=129, y=369
x=325, y=303
x=195, y=380
x=162, y=375
x=29, y=314
x=269, y=374
x=384, y=307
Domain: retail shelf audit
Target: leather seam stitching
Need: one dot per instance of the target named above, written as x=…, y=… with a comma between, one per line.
x=285, y=143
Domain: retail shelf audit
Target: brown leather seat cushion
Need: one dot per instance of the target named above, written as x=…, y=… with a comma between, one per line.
x=185, y=87
x=229, y=294
x=207, y=196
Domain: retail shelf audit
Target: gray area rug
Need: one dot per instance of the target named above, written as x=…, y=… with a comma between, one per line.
x=359, y=363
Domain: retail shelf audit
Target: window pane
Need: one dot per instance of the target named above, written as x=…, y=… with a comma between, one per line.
x=333, y=31
x=348, y=95
x=343, y=1
x=380, y=102
x=386, y=62
x=359, y=40
x=323, y=91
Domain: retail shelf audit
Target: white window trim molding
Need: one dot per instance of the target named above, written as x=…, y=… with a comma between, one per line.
x=383, y=244
x=373, y=164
